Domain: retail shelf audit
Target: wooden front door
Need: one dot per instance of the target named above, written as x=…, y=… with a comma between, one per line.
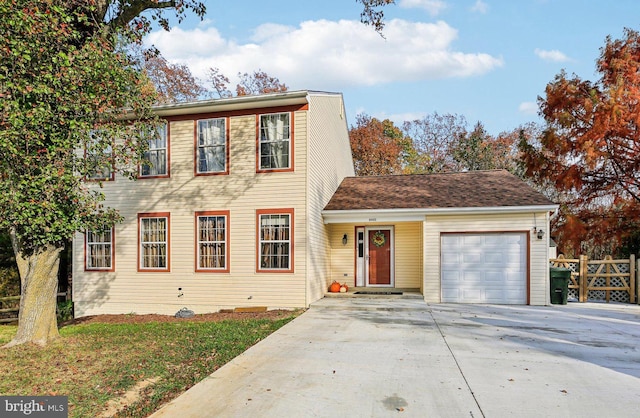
x=380, y=272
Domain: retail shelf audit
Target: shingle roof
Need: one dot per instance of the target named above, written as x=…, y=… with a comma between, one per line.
x=474, y=189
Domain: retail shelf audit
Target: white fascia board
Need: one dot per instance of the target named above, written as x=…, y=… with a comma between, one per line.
x=408, y=215
x=233, y=103
x=364, y=216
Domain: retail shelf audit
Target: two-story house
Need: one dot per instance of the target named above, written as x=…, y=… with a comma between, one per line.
x=227, y=214
x=252, y=202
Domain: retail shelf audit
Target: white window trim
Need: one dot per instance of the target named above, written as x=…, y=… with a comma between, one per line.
x=290, y=241
x=89, y=245
x=164, y=129
x=225, y=241
x=289, y=141
x=141, y=243
x=223, y=145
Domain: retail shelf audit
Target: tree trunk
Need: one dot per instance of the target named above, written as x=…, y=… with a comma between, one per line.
x=37, y=321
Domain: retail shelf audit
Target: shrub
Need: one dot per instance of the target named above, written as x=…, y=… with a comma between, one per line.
x=9, y=282
x=65, y=311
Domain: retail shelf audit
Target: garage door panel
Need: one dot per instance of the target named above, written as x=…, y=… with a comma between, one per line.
x=473, y=240
x=484, y=268
x=451, y=294
x=454, y=260
x=494, y=257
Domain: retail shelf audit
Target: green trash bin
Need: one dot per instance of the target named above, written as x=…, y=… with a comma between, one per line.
x=560, y=278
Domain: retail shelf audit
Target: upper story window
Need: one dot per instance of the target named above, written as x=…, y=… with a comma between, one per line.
x=157, y=155
x=212, y=241
x=99, y=159
x=212, y=146
x=274, y=142
x=99, y=250
x=153, y=251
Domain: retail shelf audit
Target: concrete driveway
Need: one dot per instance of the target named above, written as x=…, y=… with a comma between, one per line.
x=386, y=357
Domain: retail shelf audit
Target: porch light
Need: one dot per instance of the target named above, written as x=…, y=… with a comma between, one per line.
x=344, y=239
x=540, y=234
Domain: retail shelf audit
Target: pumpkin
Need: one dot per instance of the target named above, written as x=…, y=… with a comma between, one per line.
x=343, y=289
x=335, y=287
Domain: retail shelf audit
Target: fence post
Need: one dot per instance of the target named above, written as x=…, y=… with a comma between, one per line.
x=638, y=283
x=632, y=281
x=583, y=291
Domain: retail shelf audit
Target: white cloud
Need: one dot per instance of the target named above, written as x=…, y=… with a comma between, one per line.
x=434, y=7
x=553, y=55
x=329, y=55
x=398, y=119
x=480, y=7
x=528, y=108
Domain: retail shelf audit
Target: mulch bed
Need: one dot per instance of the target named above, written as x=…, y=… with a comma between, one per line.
x=210, y=317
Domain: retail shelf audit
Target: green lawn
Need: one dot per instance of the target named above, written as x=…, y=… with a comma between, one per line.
x=97, y=362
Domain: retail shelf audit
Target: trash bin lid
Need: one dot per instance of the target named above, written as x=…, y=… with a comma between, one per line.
x=560, y=272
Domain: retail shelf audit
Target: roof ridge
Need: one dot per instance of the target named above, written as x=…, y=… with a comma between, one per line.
x=443, y=173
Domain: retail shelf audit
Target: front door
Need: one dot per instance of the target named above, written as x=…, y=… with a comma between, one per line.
x=379, y=257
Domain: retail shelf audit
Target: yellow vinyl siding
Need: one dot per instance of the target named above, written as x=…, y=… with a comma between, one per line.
x=241, y=192
x=408, y=253
x=329, y=162
x=342, y=256
x=538, y=258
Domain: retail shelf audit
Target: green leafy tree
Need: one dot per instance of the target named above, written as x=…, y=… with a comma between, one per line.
x=478, y=150
x=65, y=86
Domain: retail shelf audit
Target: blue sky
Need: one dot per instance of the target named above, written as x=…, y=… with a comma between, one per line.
x=487, y=60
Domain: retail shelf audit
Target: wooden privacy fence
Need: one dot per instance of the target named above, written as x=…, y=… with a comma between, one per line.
x=601, y=280
x=10, y=307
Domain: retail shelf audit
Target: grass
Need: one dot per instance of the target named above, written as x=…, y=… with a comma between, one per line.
x=94, y=363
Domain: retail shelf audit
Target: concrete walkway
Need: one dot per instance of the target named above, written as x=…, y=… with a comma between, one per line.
x=383, y=357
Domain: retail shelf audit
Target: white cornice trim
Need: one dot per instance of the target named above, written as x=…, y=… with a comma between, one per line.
x=287, y=98
x=419, y=214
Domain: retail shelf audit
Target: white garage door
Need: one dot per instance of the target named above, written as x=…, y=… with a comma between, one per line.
x=484, y=268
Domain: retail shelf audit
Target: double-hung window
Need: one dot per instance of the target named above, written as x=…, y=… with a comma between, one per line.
x=99, y=158
x=274, y=142
x=99, y=250
x=275, y=240
x=153, y=251
x=212, y=250
x=157, y=156
x=212, y=146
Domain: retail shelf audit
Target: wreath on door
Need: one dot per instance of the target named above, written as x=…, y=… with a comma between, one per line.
x=378, y=239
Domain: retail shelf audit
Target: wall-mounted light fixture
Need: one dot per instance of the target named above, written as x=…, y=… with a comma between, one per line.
x=539, y=233
x=344, y=239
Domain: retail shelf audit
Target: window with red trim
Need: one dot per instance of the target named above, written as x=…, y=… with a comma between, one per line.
x=211, y=146
x=212, y=241
x=99, y=250
x=274, y=142
x=275, y=240
x=157, y=155
x=153, y=248
x=99, y=158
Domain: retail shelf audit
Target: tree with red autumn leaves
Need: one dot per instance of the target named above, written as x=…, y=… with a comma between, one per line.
x=434, y=144
x=377, y=147
x=590, y=149
x=174, y=83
